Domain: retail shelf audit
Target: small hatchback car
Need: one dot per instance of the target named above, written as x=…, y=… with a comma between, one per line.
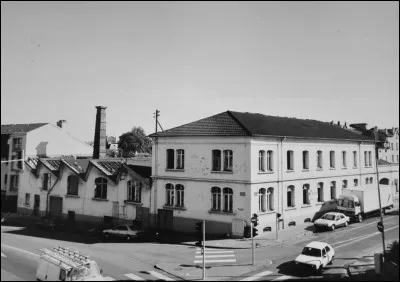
x=316, y=255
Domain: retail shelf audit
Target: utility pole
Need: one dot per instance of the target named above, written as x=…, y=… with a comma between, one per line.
x=157, y=114
x=376, y=139
x=204, y=250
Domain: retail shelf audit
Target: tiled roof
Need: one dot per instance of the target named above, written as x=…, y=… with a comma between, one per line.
x=79, y=165
x=110, y=168
x=218, y=125
x=143, y=171
x=19, y=128
x=250, y=124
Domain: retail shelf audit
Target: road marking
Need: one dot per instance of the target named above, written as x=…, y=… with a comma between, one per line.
x=285, y=277
x=216, y=252
x=364, y=237
x=219, y=260
x=217, y=256
x=160, y=276
x=133, y=277
x=361, y=226
x=3, y=255
x=29, y=253
x=257, y=276
x=108, y=278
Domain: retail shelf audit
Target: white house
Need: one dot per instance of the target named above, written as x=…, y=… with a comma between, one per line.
x=28, y=140
x=227, y=167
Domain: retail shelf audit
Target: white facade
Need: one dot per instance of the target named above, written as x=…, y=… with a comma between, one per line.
x=391, y=153
x=246, y=179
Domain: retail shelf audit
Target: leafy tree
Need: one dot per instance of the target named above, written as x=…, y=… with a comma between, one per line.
x=134, y=141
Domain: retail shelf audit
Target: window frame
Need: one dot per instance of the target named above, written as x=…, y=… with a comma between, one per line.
x=290, y=160
x=344, y=159
x=270, y=160
x=261, y=161
x=333, y=189
x=180, y=159
x=355, y=159
x=228, y=160
x=102, y=183
x=306, y=160
x=290, y=189
x=27, y=199
x=70, y=188
x=216, y=160
x=170, y=159
x=320, y=161
x=262, y=200
x=306, y=194
x=227, y=194
x=332, y=159
x=180, y=195
x=320, y=192
x=216, y=201
x=170, y=195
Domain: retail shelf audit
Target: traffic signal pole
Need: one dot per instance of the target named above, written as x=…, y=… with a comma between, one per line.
x=204, y=249
x=253, y=259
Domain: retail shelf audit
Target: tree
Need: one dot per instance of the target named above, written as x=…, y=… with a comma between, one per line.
x=134, y=141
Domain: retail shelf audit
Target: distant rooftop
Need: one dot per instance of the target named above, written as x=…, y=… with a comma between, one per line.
x=20, y=128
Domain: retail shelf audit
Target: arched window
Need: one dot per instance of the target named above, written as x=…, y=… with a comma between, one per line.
x=319, y=160
x=290, y=196
x=72, y=185
x=333, y=190
x=305, y=160
x=180, y=196
x=216, y=198
x=371, y=180
x=320, y=192
x=228, y=199
x=270, y=160
x=290, y=160
x=170, y=194
x=100, y=190
x=262, y=200
x=306, y=194
x=270, y=199
x=344, y=184
x=261, y=160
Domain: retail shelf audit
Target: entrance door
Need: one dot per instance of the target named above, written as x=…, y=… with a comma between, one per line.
x=56, y=206
x=36, y=205
x=165, y=219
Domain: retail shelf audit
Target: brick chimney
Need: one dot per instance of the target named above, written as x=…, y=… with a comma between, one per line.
x=99, y=147
x=60, y=123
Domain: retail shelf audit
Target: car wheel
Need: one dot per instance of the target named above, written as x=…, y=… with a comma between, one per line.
x=333, y=227
x=346, y=224
x=360, y=219
x=319, y=270
x=332, y=260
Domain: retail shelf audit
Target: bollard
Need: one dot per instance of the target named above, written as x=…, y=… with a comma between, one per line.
x=378, y=259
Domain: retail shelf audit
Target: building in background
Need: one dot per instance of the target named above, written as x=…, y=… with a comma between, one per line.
x=28, y=140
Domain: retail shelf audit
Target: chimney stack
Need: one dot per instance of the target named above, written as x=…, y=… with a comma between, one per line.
x=99, y=147
x=60, y=123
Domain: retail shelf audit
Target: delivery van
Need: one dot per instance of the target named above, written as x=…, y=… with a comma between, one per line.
x=63, y=264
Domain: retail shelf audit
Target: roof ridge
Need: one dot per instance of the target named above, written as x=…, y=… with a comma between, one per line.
x=231, y=114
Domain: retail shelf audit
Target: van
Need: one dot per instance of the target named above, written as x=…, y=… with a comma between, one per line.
x=63, y=264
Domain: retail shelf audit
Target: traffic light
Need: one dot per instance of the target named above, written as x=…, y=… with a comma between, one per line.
x=278, y=215
x=255, y=232
x=199, y=232
x=254, y=219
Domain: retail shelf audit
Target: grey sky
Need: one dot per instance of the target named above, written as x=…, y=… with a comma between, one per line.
x=319, y=60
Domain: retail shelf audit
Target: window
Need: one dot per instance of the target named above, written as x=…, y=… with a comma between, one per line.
x=355, y=182
x=14, y=182
x=27, y=199
x=72, y=185
x=333, y=190
x=5, y=180
x=228, y=158
x=170, y=159
x=261, y=160
x=180, y=159
x=366, y=158
x=305, y=160
x=332, y=159
x=262, y=200
x=320, y=192
x=371, y=180
x=228, y=199
x=319, y=160
x=134, y=189
x=391, y=145
x=306, y=194
x=180, y=196
x=290, y=196
x=270, y=160
x=355, y=162
x=370, y=158
x=290, y=160
x=270, y=199
x=170, y=194
x=19, y=157
x=216, y=198
x=344, y=159
x=100, y=190
x=392, y=158
x=63, y=275
x=17, y=143
x=344, y=184
x=45, y=181
x=367, y=180
x=216, y=160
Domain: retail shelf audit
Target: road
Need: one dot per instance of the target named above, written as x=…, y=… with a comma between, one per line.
x=136, y=261
x=350, y=243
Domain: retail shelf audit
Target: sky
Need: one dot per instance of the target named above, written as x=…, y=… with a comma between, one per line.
x=309, y=59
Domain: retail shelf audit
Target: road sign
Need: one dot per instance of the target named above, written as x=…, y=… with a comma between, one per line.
x=379, y=225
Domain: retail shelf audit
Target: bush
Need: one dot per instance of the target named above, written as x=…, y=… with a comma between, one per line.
x=393, y=253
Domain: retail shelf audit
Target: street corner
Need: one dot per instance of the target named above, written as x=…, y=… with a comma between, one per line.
x=336, y=273
x=182, y=271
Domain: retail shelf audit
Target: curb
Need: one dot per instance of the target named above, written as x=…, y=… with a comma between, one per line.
x=173, y=274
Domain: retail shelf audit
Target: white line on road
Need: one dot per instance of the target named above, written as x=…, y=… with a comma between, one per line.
x=285, y=277
x=257, y=276
x=3, y=255
x=216, y=252
x=217, y=260
x=29, y=253
x=160, y=276
x=134, y=277
x=216, y=256
x=108, y=278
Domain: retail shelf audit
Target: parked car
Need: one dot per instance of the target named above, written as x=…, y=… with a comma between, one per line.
x=127, y=231
x=331, y=220
x=316, y=256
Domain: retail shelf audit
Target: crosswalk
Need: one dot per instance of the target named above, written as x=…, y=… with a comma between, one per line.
x=264, y=276
x=130, y=276
x=215, y=256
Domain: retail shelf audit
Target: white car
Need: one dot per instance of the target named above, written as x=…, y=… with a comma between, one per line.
x=331, y=220
x=316, y=255
x=122, y=231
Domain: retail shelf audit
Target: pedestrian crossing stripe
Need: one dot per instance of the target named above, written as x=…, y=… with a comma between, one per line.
x=217, y=260
x=134, y=277
x=217, y=256
x=257, y=276
x=216, y=252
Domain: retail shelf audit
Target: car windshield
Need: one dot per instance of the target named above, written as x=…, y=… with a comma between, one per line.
x=328, y=217
x=346, y=203
x=312, y=252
